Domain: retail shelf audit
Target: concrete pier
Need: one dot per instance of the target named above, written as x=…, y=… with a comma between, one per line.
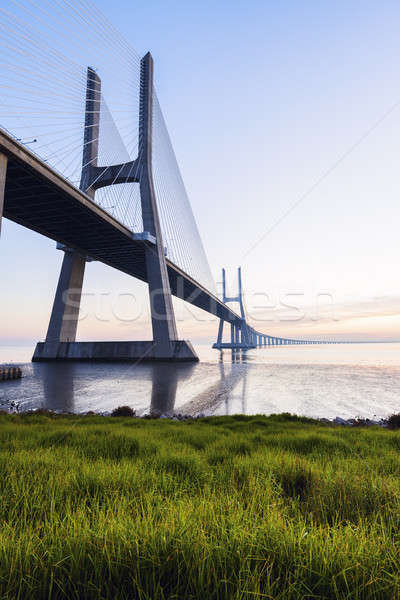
x=142, y=351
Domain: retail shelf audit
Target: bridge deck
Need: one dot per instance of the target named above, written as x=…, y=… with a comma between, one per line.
x=39, y=198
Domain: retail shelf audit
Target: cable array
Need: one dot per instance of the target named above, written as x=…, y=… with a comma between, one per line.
x=181, y=235
x=47, y=47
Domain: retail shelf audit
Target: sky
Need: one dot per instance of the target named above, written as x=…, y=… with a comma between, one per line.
x=285, y=120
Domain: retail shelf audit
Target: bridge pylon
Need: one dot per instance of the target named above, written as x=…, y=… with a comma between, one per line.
x=60, y=343
x=242, y=336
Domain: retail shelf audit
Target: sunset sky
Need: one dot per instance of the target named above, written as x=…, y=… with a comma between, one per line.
x=285, y=119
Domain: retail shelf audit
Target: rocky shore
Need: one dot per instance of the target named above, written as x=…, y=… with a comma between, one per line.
x=128, y=412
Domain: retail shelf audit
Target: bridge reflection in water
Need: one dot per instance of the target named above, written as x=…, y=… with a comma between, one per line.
x=73, y=387
x=58, y=386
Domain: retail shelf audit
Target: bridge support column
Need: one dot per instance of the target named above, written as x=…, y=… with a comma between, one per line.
x=162, y=312
x=65, y=314
x=3, y=174
x=220, y=332
x=237, y=334
x=243, y=334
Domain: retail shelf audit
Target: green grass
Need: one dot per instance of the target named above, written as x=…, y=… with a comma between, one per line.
x=225, y=507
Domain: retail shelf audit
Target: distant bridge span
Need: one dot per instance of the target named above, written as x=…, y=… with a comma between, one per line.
x=41, y=199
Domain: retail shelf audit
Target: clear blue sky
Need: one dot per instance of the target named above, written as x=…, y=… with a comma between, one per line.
x=268, y=105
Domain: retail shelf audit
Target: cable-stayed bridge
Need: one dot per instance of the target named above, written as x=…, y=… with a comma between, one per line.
x=86, y=160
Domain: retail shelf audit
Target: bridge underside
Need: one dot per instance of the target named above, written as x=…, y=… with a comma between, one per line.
x=39, y=198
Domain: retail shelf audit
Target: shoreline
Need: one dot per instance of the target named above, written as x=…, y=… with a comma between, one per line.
x=355, y=422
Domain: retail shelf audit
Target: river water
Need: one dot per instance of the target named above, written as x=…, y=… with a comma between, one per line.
x=318, y=381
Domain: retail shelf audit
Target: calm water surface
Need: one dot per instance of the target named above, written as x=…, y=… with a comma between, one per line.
x=320, y=381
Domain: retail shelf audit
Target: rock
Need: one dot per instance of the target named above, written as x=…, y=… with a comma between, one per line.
x=340, y=421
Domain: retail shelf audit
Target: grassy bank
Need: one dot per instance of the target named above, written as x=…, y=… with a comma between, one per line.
x=230, y=507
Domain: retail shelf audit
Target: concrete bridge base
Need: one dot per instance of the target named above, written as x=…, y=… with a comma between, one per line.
x=181, y=351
